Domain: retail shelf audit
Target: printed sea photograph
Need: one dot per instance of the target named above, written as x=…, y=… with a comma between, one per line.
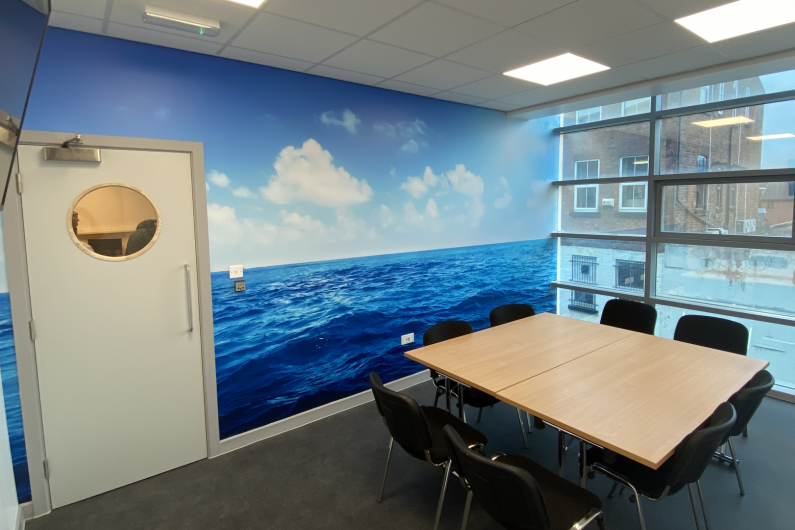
x=304, y=335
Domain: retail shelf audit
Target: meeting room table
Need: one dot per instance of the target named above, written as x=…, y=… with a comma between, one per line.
x=634, y=394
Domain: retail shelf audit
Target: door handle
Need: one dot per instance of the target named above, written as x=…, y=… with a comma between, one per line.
x=188, y=289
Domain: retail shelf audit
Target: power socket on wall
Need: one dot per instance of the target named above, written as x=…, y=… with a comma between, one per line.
x=407, y=339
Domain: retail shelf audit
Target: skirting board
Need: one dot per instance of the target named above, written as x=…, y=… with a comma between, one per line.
x=305, y=418
x=24, y=512
x=784, y=394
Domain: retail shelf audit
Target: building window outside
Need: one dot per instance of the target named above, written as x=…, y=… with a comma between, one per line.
x=704, y=97
x=630, y=275
x=583, y=269
x=589, y=115
x=770, y=205
x=632, y=196
x=583, y=302
x=718, y=195
x=586, y=197
x=701, y=164
x=636, y=106
x=791, y=191
x=701, y=196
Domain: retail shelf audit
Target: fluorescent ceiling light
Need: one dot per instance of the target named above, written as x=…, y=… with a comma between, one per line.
x=739, y=18
x=561, y=68
x=641, y=162
x=167, y=18
x=723, y=121
x=252, y=3
x=772, y=137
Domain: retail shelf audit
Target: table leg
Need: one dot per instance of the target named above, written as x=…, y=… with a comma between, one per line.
x=447, y=392
x=561, y=443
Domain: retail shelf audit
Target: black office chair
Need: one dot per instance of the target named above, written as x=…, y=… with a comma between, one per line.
x=712, y=332
x=634, y=316
x=441, y=332
x=418, y=429
x=682, y=469
x=510, y=312
x=745, y=402
x=520, y=494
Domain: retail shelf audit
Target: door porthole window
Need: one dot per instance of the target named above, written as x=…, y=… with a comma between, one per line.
x=114, y=222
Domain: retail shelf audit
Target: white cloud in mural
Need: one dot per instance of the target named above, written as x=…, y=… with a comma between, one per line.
x=219, y=179
x=471, y=185
x=542, y=198
x=162, y=113
x=244, y=192
x=428, y=219
x=411, y=132
x=386, y=216
x=348, y=121
x=417, y=187
x=308, y=175
x=207, y=185
x=506, y=198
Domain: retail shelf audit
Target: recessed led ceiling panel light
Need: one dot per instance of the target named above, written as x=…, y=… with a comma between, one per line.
x=772, y=137
x=557, y=69
x=252, y=3
x=739, y=18
x=167, y=18
x=723, y=121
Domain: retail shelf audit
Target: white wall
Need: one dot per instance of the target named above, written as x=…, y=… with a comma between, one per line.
x=8, y=489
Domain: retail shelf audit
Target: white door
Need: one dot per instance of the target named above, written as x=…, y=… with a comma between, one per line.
x=119, y=362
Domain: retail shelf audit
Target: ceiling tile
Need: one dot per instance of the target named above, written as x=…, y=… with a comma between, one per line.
x=87, y=8
x=760, y=43
x=525, y=99
x=374, y=58
x=588, y=21
x=673, y=9
x=458, y=98
x=344, y=75
x=400, y=86
x=640, y=45
x=443, y=75
x=232, y=16
x=507, y=12
x=684, y=61
x=158, y=38
x=435, y=30
x=498, y=105
x=75, y=22
x=265, y=59
x=505, y=51
x=288, y=38
x=494, y=87
x=359, y=17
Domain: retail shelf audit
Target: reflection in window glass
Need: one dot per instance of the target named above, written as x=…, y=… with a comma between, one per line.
x=741, y=88
x=607, y=112
x=751, y=279
x=745, y=208
x=755, y=137
x=609, y=146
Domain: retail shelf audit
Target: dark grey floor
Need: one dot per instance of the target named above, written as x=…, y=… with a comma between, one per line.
x=326, y=475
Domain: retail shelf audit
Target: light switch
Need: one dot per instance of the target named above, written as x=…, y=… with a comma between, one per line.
x=236, y=271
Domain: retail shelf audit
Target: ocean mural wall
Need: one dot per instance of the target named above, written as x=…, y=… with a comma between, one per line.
x=359, y=214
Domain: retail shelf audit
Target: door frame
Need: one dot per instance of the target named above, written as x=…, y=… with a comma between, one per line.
x=21, y=313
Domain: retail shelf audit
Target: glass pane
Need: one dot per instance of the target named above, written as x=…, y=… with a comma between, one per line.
x=740, y=278
x=606, y=152
x=584, y=306
x=607, y=112
x=599, y=263
x=746, y=208
x=604, y=208
x=756, y=137
x=114, y=222
x=729, y=90
x=771, y=342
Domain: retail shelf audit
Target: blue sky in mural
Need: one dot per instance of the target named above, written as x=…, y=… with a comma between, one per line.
x=301, y=168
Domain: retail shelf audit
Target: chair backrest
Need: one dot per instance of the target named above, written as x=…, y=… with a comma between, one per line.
x=510, y=312
x=509, y=494
x=695, y=452
x=403, y=417
x=748, y=399
x=712, y=332
x=447, y=330
x=634, y=316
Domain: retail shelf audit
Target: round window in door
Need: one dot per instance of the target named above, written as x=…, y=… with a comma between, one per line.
x=114, y=222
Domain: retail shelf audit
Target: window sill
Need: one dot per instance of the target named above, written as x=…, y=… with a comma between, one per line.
x=634, y=214
x=584, y=310
x=585, y=213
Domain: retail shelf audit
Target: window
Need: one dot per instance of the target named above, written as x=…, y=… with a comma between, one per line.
x=636, y=106
x=583, y=269
x=583, y=302
x=586, y=197
x=770, y=205
x=630, y=275
x=704, y=96
x=589, y=115
x=701, y=164
x=700, y=196
x=632, y=196
x=718, y=195
x=791, y=191
x=634, y=166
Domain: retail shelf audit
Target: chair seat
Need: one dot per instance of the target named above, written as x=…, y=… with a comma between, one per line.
x=649, y=482
x=437, y=418
x=566, y=502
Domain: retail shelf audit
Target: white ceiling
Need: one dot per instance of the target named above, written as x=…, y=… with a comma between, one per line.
x=455, y=50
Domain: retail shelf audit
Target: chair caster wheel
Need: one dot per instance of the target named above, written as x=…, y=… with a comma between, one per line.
x=633, y=499
x=591, y=475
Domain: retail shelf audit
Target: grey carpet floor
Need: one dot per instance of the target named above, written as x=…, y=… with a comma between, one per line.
x=326, y=475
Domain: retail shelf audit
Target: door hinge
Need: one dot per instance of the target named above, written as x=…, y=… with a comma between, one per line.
x=19, y=183
x=32, y=326
x=46, y=469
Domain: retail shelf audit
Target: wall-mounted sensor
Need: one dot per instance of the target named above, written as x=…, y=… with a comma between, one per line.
x=167, y=18
x=240, y=286
x=235, y=271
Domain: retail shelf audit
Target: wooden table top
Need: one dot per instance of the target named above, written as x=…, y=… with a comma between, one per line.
x=496, y=358
x=639, y=396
